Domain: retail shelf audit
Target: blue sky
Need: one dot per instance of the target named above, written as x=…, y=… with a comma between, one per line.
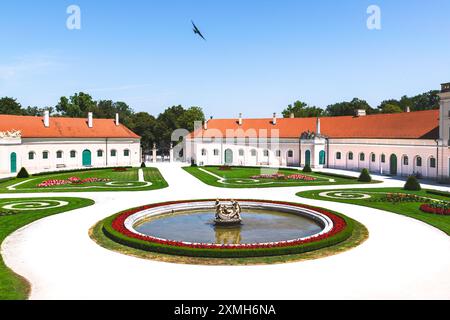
x=259, y=56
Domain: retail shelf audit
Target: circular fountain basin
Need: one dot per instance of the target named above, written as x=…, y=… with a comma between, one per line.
x=262, y=223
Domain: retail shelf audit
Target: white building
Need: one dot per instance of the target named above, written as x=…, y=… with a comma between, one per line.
x=50, y=143
x=397, y=144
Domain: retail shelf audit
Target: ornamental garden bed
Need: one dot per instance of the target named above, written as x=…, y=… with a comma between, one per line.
x=90, y=180
x=264, y=177
x=424, y=205
x=115, y=229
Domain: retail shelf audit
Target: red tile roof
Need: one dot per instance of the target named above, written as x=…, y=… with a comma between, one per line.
x=33, y=127
x=408, y=125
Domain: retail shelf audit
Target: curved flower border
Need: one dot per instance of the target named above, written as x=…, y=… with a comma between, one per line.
x=118, y=225
x=427, y=208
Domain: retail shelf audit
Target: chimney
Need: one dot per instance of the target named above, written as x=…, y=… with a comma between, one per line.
x=205, y=125
x=274, y=120
x=318, y=127
x=240, y=121
x=90, y=120
x=117, y=119
x=408, y=109
x=47, y=119
x=361, y=113
x=292, y=116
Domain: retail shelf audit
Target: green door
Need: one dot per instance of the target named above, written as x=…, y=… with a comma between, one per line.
x=393, y=165
x=87, y=158
x=322, y=156
x=308, y=158
x=13, y=162
x=228, y=156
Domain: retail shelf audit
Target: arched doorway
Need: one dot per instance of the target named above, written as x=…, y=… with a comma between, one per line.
x=393, y=165
x=322, y=158
x=308, y=158
x=228, y=156
x=13, y=162
x=87, y=158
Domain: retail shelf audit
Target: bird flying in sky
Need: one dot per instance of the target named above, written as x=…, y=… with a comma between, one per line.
x=197, y=31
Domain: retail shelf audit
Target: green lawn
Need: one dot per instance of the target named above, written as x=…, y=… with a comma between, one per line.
x=409, y=209
x=240, y=177
x=120, y=181
x=12, y=286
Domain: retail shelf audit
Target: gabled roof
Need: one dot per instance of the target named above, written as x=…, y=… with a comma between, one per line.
x=33, y=127
x=408, y=125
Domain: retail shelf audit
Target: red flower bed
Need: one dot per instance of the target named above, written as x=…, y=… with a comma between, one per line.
x=280, y=176
x=71, y=181
x=434, y=210
x=118, y=225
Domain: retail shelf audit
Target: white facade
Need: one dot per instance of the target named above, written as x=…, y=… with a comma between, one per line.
x=400, y=157
x=37, y=155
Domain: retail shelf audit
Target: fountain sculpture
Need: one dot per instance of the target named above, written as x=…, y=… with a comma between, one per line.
x=228, y=215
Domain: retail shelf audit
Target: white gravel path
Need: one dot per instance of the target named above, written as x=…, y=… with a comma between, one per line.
x=403, y=259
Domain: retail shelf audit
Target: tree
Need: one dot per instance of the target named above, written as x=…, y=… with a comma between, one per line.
x=10, y=106
x=391, y=108
x=143, y=124
x=190, y=116
x=349, y=108
x=77, y=106
x=307, y=169
x=107, y=109
x=302, y=110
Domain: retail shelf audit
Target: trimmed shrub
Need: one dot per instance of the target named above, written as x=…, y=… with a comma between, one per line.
x=143, y=165
x=412, y=184
x=307, y=169
x=23, y=173
x=365, y=176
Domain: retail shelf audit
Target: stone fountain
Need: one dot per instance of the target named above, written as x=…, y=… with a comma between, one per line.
x=228, y=215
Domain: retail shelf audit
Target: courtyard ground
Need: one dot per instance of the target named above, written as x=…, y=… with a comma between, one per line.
x=403, y=258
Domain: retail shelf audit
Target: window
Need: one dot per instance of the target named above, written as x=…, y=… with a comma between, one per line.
x=383, y=158
x=374, y=157
x=350, y=156
x=113, y=153
x=59, y=154
x=253, y=153
x=241, y=152
x=100, y=153
x=338, y=156
x=266, y=153
x=31, y=155
x=362, y=157
x=432, y=163
x=73, y=154
x=126, y=153
x=405, y=161
x=203, y=152
x=278, y=153
x=290, y=154
x=216, y=152
x=419, y=161
x=45, y=155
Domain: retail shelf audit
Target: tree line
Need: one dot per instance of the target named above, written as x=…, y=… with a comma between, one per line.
x=159, y=129
x=152, y=129
x=426, y=101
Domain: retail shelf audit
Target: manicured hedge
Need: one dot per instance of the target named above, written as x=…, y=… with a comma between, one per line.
x=439, y=193
x=228, y=253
